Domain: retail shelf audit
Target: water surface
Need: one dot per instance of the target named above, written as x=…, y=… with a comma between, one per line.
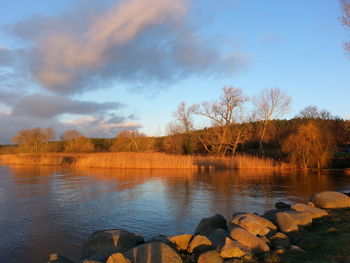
x=50, y=209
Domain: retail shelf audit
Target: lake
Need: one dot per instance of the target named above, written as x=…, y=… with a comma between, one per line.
x=52, y=209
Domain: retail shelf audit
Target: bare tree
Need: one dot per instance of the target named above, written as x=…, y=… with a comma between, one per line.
x=221, y=113
x=183, y=117
x=346, y=19
x=76, y=142
x=132, y=141
x=270, y=104
x=309, y=112
x=34, y=140
x=312, y=112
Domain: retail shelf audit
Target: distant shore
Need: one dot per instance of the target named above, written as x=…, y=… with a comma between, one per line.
x=132, y=160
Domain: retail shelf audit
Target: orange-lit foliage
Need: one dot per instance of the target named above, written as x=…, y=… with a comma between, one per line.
x=310, y=146
x=142, y=160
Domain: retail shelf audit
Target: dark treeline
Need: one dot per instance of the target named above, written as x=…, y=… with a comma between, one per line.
x=309, y=140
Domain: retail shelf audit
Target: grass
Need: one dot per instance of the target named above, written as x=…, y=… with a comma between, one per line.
x=326, y=240
x=131, y=160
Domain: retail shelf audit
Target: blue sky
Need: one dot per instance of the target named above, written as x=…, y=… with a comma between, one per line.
x=102, y=66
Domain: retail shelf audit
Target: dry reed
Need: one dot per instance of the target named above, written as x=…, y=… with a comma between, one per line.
x=128, y=160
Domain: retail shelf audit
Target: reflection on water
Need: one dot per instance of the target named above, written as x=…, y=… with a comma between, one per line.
x=50, y=209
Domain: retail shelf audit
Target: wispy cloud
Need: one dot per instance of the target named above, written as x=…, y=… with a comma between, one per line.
x=138, y=42
x=48, y=106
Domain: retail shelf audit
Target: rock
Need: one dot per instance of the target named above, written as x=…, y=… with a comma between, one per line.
x=218, y=237
x=330, y=199
x=280, y=240
x=202, y=249
x=271, y=214
x=155, y=252
x=163, y=239
x=254, y=224
x=285, y=222
x=107, y=242
x=210, y=257
x=310, y=204
x=279, y=250
x=181, y=241
x=301, y=218
x=282, y=205
x=313, y=211
x=234, y=249
x=249, y=240
x=197, y=241
x=55, y=258
x=296, y=249
x=209, y=224
x=117, y=258
x=94, y=259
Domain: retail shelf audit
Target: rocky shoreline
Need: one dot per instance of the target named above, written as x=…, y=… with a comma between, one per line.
x=245, y=237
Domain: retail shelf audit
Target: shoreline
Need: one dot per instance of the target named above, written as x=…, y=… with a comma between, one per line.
x=318, y=231
x=132, y=160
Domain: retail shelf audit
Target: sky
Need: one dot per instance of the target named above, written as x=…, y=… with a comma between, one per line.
x=103, y=66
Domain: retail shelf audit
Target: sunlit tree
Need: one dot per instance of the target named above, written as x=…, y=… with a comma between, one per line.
x=76, y=142
x=222, y=114
x=34, y=140
x=270, y=104
x=310, y=147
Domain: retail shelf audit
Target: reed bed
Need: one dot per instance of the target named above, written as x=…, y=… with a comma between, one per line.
x=131, y=160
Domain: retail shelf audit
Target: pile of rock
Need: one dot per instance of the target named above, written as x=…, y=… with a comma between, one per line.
x=214, y=240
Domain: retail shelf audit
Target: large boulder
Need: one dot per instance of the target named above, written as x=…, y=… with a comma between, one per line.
x=282, y=205
x=210, y=257
x=155, y=252
x=285, y=222
x=163, y=239
x=117, y=258
x=249, y=240
x=313, y=211
x=181, y=241
x=218, y=237
x=300, y=218
x=234, y=249
x=279, y=240
x=253, y=223
x=107, y=242
x=209, y=224
x=330, y=199
x=197, y=241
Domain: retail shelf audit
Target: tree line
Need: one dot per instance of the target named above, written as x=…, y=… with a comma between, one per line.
x=307, y=140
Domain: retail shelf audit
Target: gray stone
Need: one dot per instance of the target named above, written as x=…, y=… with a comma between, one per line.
x=280, y=240
x=163, y=239
x=313, y=211
x=249, y=240
x=328, y=200
x=254, y=224
x=210, y=257
x=155, y=252
x=234, y=249
x=117, y=258
x=218, y=237
x=285, y=222
x=181, y=241
x=296, y=249
x=282, y=205
x=209, y=224
x=197, y=241
x=107, y=242
x=301, y=218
